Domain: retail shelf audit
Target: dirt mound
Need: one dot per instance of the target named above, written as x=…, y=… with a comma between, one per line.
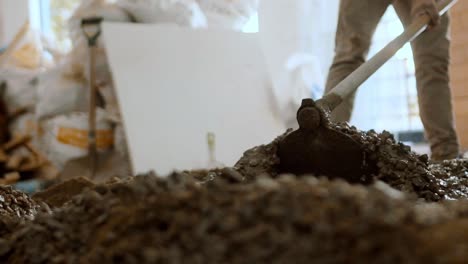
x=409, y=172
x=15, y=204
x=396, y=164
x=283, y=220
x=59, y=194
x=251, y=214
x=15, y=207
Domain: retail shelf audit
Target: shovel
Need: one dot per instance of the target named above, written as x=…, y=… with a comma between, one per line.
x=92, y=29
x=317, y=148
x=99, y=166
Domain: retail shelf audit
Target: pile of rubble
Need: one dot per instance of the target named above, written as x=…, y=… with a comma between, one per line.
x=15, y=204
x=180, y=220
x=21, y=160
x=408, y=171
x=397, y=165
x=251, y=213
x=15, y=208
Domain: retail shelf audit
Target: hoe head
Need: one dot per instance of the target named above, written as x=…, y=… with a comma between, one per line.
x=317, y=149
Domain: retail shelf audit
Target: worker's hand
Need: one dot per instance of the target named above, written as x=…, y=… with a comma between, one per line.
x=426, y=7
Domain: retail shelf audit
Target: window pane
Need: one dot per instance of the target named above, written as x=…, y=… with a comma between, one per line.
x=57, y=15
x=388, y=100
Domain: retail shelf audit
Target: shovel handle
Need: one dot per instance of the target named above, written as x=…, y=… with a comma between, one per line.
x=92, y=35
x=361, y=74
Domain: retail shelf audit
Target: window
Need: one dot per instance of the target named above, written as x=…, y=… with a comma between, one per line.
x=51, y=16
x=388, y=100
x=252, y=25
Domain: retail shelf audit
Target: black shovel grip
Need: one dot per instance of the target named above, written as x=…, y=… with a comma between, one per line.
x=92, y=21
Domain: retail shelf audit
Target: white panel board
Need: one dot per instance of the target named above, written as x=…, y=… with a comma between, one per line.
x=176, y=84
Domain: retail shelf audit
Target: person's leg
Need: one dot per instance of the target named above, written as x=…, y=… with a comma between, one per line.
x=357, y=22
x=431, y=52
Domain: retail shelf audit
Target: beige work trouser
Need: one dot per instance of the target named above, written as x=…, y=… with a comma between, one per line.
x=358, y=20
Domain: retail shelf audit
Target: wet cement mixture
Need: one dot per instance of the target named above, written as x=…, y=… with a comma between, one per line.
x=412, y=212
x=397, y=165
x=15, y=204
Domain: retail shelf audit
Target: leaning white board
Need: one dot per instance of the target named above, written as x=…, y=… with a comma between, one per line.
x=174, y=85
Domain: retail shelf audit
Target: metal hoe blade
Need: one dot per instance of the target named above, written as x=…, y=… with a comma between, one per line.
x=317, y=149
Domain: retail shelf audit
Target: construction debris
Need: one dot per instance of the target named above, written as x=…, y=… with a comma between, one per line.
x=21, y=160
x=409, y=172
x=252, y=213
x=58, y=195
x=180, y=220
x=15, y=204
x=397, y=165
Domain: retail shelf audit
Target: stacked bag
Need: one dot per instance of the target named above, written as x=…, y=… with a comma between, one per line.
x=58, y=95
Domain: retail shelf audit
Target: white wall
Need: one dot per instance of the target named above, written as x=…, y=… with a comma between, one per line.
x=290, y=26
x=13, y=13
x=319, y=20
x=278, y=26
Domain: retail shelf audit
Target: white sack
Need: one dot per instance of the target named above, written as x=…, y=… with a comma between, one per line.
x=21, y=87
x=21, y=92
x=65, y=137
x=60, y=93
x=228, y=14
x=180, y=12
